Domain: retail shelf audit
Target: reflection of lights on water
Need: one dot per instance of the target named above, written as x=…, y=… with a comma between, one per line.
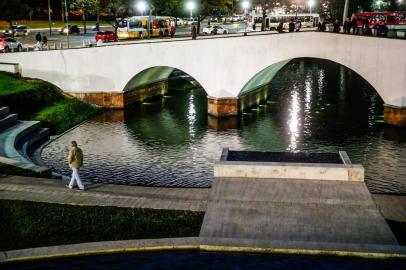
x=321, y=82
x=294, y=122
x=308, y=91
x=307, y=106
x=191, y=115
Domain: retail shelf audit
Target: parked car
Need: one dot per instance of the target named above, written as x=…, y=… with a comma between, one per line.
x=190, y=22
x=214, y=30
x=237, y=18
x=179, y=21
x=16, y=30
x=217, y=18
x=106, y=36
x=8, y=44
x=73, y=29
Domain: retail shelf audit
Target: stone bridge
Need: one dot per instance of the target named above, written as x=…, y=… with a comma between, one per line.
x=231, y=68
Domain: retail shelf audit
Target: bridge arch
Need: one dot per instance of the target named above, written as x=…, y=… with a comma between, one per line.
x=253, y=91
x=152, y=82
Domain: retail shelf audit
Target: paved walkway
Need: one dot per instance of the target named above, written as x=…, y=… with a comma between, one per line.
x=296, y=213
x=277, y=216
x=54, y=191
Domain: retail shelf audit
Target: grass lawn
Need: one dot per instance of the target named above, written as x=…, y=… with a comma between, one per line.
x=31, y=224
x=44, y=24
x=62, y=115
x=42, y=101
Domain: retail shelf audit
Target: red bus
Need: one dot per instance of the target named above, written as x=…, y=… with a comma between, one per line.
x=393, y=20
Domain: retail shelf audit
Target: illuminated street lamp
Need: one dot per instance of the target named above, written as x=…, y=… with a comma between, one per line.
x=245, y=6
x=311, y=4
x=191, y=6
x=141, y=6
x=379, y=3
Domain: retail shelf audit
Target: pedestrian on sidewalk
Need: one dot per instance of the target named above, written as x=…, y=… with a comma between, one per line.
x=194, y=32
x=38, y=44
x=75, y=160
x=347, y=26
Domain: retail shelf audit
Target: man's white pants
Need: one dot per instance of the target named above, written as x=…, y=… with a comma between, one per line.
x=76, y=177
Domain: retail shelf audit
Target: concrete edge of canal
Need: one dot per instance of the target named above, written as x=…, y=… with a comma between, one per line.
x=204, y=244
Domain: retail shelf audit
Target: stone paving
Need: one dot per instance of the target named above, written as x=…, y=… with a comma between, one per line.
x=276, y=216
x=301, y=214
x=54, y=191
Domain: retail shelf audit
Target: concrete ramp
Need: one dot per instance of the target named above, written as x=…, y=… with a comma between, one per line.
x=295, y=214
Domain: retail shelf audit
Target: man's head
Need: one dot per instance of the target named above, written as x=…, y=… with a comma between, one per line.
x=74, y=144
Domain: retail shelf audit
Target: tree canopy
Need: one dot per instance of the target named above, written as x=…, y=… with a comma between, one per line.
x=13, y=10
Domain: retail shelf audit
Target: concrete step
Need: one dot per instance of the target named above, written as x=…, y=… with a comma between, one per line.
x=25, y=144
x=3, y=110
x=9, y=139
x=7, y=120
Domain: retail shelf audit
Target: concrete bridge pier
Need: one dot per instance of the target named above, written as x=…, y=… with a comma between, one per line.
x=395, y=115
x=222, y=107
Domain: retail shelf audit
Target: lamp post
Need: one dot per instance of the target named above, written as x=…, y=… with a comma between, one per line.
x=379, y=3
x=49, y=17
x=346, y=7
x=67, y=21
x=245, y=6
x=191, y=6
x=400, y=4
x=141, y=6
x=311, y=4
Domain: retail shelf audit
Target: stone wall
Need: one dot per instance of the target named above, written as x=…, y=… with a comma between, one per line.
x=119, y=100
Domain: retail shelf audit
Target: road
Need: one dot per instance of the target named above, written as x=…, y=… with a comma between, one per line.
x=57, y=41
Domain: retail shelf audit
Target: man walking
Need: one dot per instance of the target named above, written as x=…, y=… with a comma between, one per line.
x=75, y=160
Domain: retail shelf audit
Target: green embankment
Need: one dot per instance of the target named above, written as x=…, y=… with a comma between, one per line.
x=38, y=100
x=31, y=224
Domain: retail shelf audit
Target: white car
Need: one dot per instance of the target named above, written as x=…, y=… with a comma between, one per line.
x=10, y=45
x=190, y=22
x=214, y=30
x=179, y=21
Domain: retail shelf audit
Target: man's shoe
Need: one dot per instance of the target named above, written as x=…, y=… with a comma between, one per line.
x=68, y=186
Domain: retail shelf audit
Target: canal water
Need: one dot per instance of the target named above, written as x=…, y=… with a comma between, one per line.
x=313, y=105
x=208, y=260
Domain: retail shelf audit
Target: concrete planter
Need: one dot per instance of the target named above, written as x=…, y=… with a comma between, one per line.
x=343, y=171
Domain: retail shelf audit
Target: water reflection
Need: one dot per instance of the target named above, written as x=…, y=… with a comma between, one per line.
x=313, y=106
x=294, y=122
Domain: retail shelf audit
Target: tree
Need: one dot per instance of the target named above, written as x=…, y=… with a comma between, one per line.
x=13, y=10
x=209, y=7
x=85, y=6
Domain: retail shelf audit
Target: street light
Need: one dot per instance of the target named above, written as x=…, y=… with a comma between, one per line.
x=379, y=3
x=311, y=4
x=67, y=20
x=49, y=17
x=141, y=6
x=191, y=6
x=245, y=6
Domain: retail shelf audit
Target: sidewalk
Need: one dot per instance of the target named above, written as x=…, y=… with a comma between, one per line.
x=54, y=191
